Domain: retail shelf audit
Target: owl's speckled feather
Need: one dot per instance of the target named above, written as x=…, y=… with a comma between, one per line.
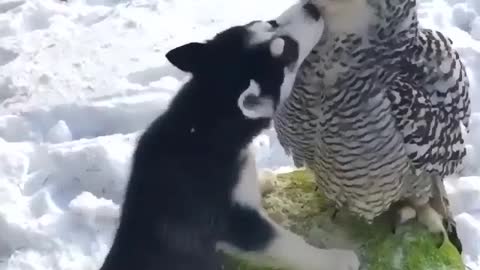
x=377, y=108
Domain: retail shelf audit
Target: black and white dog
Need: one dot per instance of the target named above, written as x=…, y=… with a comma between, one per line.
x=193, y=186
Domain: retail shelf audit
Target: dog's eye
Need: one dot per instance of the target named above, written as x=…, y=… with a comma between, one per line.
x=274, y=23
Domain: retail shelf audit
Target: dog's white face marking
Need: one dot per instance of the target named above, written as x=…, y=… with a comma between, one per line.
x=296, y=23
x=277, y=46
x=262, y=107
x=261, y=32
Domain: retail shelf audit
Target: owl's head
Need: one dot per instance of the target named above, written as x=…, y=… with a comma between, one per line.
x=368, y=17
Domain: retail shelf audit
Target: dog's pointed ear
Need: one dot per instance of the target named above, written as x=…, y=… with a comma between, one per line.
x=188, y=57
x=253, y=105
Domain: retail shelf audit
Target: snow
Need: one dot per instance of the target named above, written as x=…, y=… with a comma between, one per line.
x=79, y=81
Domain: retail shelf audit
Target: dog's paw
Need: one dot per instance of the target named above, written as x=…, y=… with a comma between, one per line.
x=340, y=259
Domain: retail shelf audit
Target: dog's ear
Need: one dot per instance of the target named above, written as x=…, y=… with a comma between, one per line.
x=188, y=57
x=253, y=105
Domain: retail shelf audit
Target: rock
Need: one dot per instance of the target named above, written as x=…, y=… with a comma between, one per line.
x=295, y=204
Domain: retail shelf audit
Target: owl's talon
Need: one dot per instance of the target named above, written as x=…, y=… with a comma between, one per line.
x=334, y=214
x=443, y=238
x=452, y=235
x=438, y=225
x=394, y=227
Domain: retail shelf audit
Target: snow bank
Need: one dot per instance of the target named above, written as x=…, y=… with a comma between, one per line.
x=60, y=202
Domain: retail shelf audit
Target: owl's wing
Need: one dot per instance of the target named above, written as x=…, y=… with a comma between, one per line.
x=432, y=133
x=444, y=76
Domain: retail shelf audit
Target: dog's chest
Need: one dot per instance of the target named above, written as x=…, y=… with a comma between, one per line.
x=246, y=191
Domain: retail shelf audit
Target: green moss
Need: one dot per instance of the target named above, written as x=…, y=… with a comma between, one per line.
x=296, y=205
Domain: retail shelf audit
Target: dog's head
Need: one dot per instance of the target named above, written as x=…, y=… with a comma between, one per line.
x=254, y=63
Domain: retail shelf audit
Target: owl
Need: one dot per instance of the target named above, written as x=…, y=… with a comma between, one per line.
x=378, y=112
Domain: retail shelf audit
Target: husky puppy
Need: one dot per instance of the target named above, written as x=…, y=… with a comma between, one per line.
x=193, y=186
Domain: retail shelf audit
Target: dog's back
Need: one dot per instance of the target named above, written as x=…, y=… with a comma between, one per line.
x=179, y=189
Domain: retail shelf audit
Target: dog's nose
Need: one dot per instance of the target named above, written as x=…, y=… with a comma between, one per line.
x=312, y=11
x=274, y=23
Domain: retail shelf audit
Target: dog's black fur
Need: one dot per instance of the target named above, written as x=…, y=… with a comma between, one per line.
x=178, y=202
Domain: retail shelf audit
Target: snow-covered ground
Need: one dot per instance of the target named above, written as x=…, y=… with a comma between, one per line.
x=80, y=80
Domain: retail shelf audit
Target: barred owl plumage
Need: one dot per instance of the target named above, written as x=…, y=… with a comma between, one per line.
x=377, y=109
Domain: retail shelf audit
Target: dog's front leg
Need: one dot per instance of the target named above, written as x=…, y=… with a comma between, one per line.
x=253, y=234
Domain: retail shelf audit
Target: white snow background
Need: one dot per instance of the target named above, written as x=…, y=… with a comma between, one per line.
x=80, y=80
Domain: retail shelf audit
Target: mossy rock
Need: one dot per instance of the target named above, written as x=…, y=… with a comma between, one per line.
x=295, y=204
